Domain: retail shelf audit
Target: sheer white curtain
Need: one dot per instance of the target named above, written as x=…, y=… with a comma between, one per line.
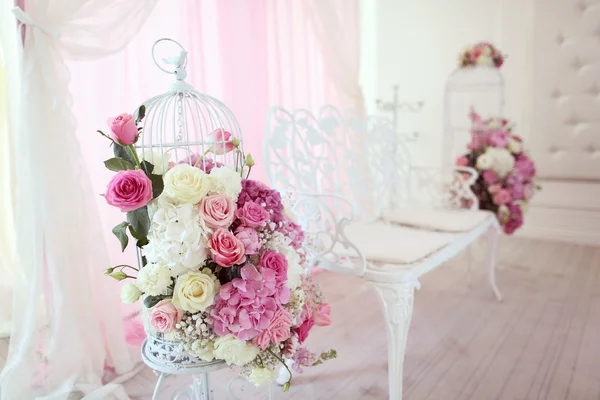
x=8, y=100
x=332, y=20
x=66, y=321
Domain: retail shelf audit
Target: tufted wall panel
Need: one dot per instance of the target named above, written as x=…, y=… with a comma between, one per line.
x=565, y=91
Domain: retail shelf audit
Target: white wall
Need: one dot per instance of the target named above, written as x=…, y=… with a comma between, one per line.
x=415, y=44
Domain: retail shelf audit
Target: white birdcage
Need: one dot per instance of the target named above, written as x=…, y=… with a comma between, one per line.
x=478, y=88
x=186, y=124
x=183, y=126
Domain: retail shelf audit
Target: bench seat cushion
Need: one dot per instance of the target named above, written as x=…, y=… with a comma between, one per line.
x=384, y=243
x=438, y=219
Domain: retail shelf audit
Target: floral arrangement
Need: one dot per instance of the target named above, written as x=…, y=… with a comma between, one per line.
x=223, y=265
x=481, y=54
x=506, y=173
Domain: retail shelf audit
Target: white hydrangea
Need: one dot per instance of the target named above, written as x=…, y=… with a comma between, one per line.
x=514, y=146
x=225, y=180
x=154, y=279
x=178, y=237
x=281, y=244
x=259, y=376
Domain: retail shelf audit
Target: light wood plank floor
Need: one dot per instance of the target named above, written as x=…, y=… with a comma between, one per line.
x=541, y=343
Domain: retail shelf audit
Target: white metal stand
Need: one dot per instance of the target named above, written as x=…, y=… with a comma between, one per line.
x=198, y=390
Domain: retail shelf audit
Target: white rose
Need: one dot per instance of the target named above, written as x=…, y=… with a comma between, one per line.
x=130, y=293
x=503, y=161
x=494, y=123
x=485, y=61
x=484, y=161
x=186, y=184
x=234, y=351
x=160, y=161
x=260, y=376
x=154, y=279
x=195, y=291
x=514, y=146
x=225, y=180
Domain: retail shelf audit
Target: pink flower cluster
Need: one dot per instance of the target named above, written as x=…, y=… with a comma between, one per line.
x=504, y=195
x=482, y=53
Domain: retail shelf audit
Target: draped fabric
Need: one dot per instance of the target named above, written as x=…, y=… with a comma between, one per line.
x=8, y=101
x=65, y=325
x=332, y=20
x=68, y=320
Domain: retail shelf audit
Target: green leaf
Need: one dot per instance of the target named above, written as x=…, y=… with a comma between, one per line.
x=118, y=164
x=140, y=221
x=121, y=152
x=134, y=233
x=157, y=185
x=148, y=167
x=151, y=301
x=105, y=135
x=144, y=261
x=120, y=232
x=140, y=113
x=142, y=242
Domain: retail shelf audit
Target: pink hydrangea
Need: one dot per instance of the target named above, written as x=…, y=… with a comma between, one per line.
x=517, y=191
x=279, y=330
x=322, y=314
x=262, y=194
x=525, y=167
x=245, y=306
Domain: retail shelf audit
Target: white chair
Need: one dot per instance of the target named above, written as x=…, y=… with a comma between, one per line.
x=324, y=161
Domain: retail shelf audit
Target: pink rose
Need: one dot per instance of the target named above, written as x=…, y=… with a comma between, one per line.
x=251, y=214
x=321, y=315
x=502, y=197
x=221, y=140
x=490, y=177
x=462, y=161
x=164, y=316
x=304, y=329
x=514, y=220
x=217, y=211
x=277, y=263
x=493, y=189
x=249, y=237
x=279, y=330
x=226, y=249
x=129, y=190
x=123, y=129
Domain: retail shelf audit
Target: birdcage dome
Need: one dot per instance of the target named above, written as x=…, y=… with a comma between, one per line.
x=184, y=125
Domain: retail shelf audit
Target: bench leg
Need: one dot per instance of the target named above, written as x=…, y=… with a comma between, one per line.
x=397, y=302
x=493, y=238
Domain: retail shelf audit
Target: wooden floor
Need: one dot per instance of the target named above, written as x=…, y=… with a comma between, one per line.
x=541, y=343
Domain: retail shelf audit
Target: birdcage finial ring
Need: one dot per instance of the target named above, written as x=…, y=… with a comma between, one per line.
x=179, y=62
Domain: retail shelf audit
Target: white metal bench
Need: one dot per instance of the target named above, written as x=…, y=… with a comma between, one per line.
x=352, y=184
